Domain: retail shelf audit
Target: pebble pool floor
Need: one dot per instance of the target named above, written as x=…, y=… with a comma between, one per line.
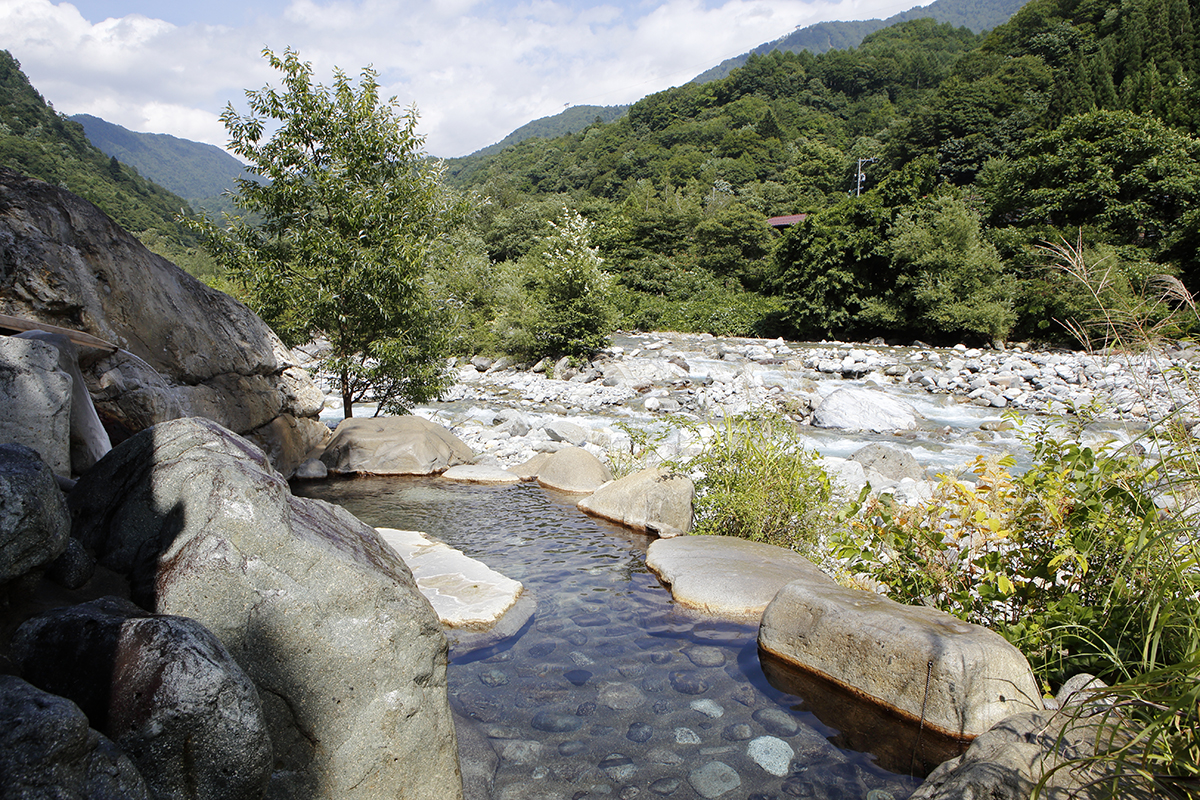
x=611, y=691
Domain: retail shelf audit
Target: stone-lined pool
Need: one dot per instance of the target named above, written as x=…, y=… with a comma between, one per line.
x=610, y=690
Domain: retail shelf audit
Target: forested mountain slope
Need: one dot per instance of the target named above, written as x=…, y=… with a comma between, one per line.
x=978, y=15
x=931, y=162
x=37, y=141
x=195, y=171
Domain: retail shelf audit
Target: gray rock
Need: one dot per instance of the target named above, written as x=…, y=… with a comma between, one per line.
x=949, y=676
x=1007, y=761
x=34, y=523
x=714, y=779
x=348, y=656
x=573, y=470
x=312, y=469
x=89, y=440
x=477, y=759
x=36, y=395
x=725, y=576
x=513, y=422
x=288, y=441
x=864, y=410
x=393, y=446
x=47, y=750
x=772, y=754
x=889, y=462
x=161, y=687
x=186, y=349
x=529, y=470
x=776, y=721
x=74, y=567
x=561, y=430
x=654, y=500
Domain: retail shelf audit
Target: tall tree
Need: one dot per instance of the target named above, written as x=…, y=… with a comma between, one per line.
x=349, y=208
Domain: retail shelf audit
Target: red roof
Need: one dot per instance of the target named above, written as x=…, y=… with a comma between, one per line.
x=786, y=221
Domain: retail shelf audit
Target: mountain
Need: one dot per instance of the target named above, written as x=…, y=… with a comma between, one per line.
x=978, y=15
x=37, y=141
x=198, y=172
x=575, y=118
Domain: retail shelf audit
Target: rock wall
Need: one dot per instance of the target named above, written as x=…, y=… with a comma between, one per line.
x=185, y=349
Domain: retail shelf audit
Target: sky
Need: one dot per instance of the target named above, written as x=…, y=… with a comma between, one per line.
x=475, y=70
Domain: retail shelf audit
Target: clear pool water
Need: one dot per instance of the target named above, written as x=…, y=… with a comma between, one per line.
x=611, y=690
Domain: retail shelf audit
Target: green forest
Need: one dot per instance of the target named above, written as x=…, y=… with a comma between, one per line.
x=933, y=165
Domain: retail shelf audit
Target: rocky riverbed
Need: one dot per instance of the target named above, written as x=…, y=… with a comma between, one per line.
x=947, y=405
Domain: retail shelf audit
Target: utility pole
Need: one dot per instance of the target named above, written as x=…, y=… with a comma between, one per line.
x=858, y=184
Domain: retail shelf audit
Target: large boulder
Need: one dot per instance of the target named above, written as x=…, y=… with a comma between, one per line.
x=654, y=500
x=891, y=463
x=393, y=446
x=34, y=523
x=48, y=750
x=184, y=349
x=726, y=576
x=162, y=687
x=573, y=470
x=348, y=656
x=89, y=440
x=953, y=679
x=855, y=409
x=36, y=395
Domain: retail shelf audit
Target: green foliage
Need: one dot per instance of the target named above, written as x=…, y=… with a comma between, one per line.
x=564, y=306
x=349, y=208
x=756, y=480
x=950, y=282
x=1060, y=560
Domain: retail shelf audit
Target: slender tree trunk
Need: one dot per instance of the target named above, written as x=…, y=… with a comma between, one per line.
x=347, y=399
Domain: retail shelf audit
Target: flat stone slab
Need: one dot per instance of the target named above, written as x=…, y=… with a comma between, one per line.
x=953, y=678
x=474, y=473
x=464, y=592
x=727, y=577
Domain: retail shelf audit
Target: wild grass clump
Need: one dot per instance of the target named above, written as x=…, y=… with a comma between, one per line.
x=755, y=479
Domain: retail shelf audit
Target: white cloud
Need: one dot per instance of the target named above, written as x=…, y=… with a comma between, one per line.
x=475, y=69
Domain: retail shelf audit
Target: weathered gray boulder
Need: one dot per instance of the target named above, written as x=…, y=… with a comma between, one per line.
x=36, y=396
x=393, y=446
x=185, y=349
x=348, y=657
x=654, y=500
x=856, y=409
x=311, y=469
x=573, y=470
x=161, y=687
x=953, y=678
x=34, y=523
x=561, y=430
x=89, y=440
x=47, y=750
x=893, y=464
x=726, y=576
x=1008, y=761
